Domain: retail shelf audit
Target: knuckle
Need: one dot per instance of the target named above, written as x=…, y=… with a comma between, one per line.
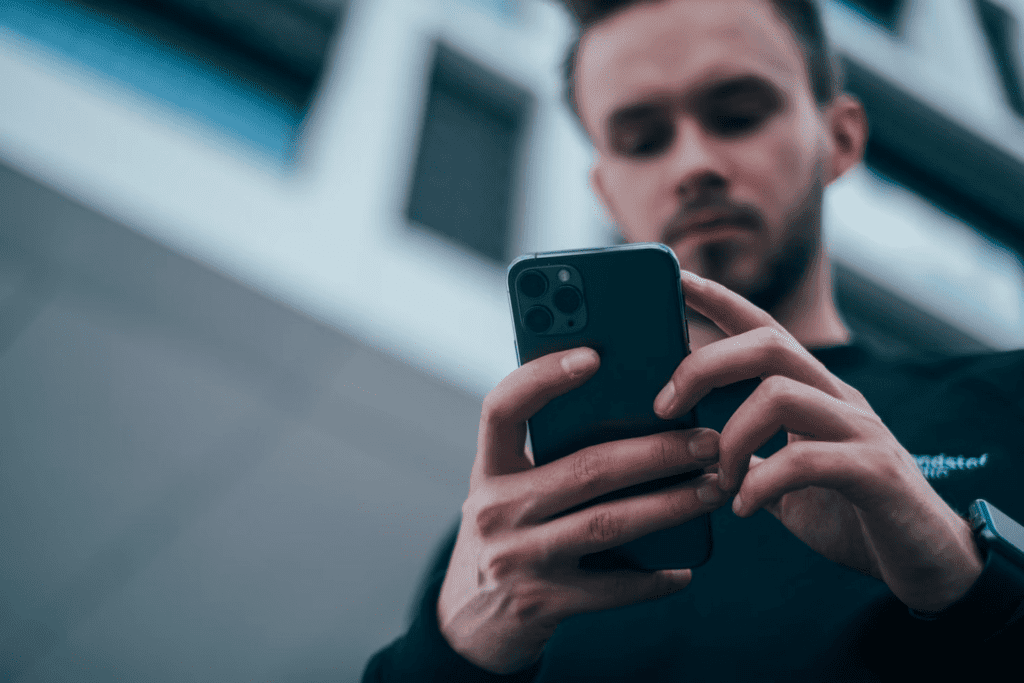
x=891, y=468
x=805, y=462
x=590, y=467
x=544, y=553
x=777, y=343
x=496, y=408
x=779, y=391
x=493, y=519
x=527, y=604
x=525, y=609
x=865, y=467
x=489, y=514
x=602, y=527
x=663, y=450
x=501, y=563
x=766, y=336
x=785, y=340
x=851, y=394
x=583, y=468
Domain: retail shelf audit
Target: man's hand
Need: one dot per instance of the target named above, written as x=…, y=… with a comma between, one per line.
x=514, y=574
x=843, y=484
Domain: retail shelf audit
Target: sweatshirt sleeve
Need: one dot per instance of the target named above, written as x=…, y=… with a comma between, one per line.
x=978, y=635
x=422, y=653
x=994, y=604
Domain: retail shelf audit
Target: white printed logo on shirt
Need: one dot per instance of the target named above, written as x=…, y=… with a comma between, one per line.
x=939, y=466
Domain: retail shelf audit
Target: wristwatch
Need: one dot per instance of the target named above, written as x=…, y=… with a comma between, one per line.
x=996, y=532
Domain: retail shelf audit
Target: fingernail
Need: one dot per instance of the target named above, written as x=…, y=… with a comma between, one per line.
x=664, y=399
x=709, y=493
x=737, y=503
x=704, y=446
x=578, y=361
x=692, y=276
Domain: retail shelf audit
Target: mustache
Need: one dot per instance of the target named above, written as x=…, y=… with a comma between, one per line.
x=707, y=212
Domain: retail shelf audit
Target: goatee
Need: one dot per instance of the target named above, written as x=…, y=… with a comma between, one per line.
x=785, y=267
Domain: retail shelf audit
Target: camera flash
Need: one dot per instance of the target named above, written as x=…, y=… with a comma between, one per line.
x=563, y=275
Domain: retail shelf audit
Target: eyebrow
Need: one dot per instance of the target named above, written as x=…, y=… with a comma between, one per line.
x=717, y=89
x=737, y=86
x=638, y=110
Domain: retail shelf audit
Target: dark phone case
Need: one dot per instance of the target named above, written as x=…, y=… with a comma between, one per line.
x=632, y=315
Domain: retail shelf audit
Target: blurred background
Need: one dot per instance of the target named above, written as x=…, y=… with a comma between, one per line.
x=251, y=293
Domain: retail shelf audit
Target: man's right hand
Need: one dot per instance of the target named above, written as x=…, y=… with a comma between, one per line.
x=514, y=574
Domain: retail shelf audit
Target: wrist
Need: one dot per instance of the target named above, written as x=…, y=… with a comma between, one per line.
x=994, y=602
x=424, y=654
x=940, y=612
x=996, y=599
x=958, y=566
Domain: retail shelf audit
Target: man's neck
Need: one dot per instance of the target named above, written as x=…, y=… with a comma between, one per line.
x=809, y=312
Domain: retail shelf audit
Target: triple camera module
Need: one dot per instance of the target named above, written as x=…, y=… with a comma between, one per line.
x=551, y=300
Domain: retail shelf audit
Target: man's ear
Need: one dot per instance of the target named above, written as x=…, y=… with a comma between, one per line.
x=848, y=134
x=597, y=184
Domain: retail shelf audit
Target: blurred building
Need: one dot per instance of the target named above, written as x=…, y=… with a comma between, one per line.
x=251, y=293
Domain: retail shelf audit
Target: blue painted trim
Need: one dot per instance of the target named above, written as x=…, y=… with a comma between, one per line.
x=196, y=88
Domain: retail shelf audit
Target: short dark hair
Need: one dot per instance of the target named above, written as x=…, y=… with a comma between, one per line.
x=802, y=16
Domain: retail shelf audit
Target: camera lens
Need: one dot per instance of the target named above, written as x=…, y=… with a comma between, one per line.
x=538, y=319
x=532, y=283
x=567, y=299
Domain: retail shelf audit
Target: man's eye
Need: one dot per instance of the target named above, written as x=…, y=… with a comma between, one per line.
x=643, y=139
x=739, y=108
x=732, y=124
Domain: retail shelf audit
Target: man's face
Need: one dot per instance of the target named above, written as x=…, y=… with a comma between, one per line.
x=708, y=138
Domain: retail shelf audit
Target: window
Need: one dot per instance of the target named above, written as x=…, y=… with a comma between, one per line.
x=465, y=179
x=1004, y=40
x=941, y=160
x=247, y=67
x=884, y=12
x=277, y=45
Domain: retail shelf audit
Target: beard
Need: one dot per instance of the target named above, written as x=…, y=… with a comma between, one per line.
x=783, y=268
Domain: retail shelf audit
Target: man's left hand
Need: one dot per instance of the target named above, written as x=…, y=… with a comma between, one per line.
x=843, y=484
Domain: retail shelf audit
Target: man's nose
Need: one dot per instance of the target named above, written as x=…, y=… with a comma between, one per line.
x=697, y=165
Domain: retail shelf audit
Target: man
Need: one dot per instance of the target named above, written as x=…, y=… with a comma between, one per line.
x=716, y=126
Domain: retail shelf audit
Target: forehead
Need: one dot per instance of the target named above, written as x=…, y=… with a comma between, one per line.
x=674, y=46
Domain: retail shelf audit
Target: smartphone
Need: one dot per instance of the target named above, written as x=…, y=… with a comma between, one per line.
x=626, y=303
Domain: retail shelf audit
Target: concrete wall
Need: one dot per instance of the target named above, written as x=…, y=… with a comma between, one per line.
x=197, y=483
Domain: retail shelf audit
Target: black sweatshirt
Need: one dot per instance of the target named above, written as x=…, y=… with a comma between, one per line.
x=768, y=608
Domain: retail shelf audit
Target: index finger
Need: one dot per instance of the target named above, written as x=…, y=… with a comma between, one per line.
x=731, y=312
x=502, y=436
x=599, y=470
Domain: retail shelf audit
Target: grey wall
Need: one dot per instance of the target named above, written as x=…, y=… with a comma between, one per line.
x=196, y=483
